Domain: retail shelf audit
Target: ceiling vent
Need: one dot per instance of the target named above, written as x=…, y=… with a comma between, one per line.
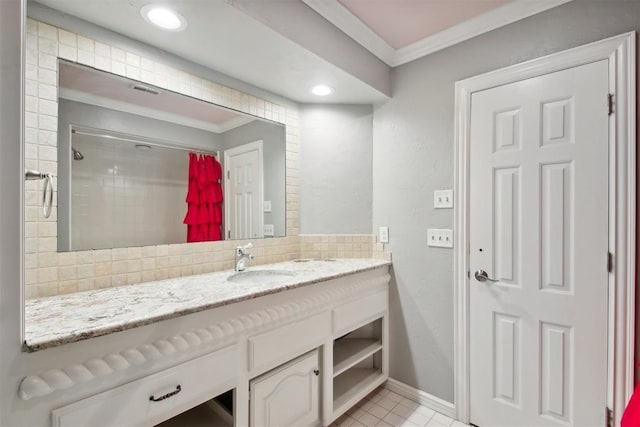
x=145, y=89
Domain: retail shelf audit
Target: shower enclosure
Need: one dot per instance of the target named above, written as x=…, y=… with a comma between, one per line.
x=124, y=191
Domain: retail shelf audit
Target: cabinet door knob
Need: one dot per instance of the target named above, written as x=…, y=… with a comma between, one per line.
x=316, y=371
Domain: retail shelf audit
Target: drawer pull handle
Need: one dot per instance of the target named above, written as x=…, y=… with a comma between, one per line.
x=166, y=396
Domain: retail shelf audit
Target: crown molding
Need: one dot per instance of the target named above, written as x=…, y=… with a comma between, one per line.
x=348, y=23
x=496, y=18
x=506, y=14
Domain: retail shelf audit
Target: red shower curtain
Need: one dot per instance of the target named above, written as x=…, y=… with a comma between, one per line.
x=204, y=199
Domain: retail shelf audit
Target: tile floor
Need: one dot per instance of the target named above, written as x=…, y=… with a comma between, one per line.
x=384, y=408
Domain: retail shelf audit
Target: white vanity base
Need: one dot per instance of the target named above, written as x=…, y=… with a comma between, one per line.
x=284, y=347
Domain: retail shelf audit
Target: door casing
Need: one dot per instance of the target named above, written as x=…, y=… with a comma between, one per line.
x=620, y=52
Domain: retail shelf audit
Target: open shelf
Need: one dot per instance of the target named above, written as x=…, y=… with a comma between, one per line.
x=348, y=352
x=200, y=416
x=354, y=383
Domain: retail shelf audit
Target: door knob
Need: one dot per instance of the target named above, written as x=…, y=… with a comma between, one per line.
x=482, y=276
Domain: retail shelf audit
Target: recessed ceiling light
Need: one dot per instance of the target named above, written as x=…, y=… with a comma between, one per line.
x=163, y=17
x=322, y=90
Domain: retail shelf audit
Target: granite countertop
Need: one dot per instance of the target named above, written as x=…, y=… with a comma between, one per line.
x=54, y=321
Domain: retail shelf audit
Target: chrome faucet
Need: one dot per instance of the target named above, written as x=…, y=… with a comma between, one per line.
x=242, y=256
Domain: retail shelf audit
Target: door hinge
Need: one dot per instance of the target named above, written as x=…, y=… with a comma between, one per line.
x=468, y=274
x=229, y=234
x=609, y=262
x=609, y=417
x=610, y=103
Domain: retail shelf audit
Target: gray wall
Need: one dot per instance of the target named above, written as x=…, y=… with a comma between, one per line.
x=413, y=155
x=11, y=170
x=335, y=169
x=77, y=113
x=273, y=136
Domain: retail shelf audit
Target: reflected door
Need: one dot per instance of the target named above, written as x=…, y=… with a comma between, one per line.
x=244, y=188
x=539, y=228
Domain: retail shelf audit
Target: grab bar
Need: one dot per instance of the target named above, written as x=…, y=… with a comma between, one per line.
x=47, y=202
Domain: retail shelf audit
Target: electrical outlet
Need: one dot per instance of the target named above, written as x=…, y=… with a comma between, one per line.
x=440, y=238
x=383, y=235
x=266, y=206
x=443, y=199
x=268, y=230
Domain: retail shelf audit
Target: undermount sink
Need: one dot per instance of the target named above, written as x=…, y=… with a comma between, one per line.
x=257, y=276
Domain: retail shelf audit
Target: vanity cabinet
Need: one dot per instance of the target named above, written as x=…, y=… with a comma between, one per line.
x=157, y=397
x=360, y=353
x=296, y=358
x=288, y=395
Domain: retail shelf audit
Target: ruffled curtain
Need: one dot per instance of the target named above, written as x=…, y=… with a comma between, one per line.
x=204, y=199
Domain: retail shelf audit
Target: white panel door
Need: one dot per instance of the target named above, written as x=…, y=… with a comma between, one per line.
x=287, y=396
x=539, y=227
x=243, y=193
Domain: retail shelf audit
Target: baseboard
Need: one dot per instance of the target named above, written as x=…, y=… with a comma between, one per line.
x=423, y=398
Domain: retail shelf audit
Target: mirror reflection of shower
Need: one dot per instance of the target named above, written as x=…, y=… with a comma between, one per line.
x=76, y=154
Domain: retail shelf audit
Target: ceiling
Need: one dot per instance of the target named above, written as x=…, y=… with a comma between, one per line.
x=90, y=86
x=403, y=22
x=221, y=37
x=401, y=31
x=288, y=46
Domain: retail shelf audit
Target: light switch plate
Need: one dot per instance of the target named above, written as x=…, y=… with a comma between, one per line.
x=440, y=237
x=443, y=199
x=266, y=206
x=383, y=235
x=268, y=230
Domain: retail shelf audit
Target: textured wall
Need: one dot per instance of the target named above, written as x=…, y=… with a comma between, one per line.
x=335, y=164
x=413, y=155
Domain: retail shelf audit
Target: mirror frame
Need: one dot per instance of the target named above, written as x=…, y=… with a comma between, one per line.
x=48, y=272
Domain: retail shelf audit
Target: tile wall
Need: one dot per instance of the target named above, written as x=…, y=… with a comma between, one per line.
x=50, y=273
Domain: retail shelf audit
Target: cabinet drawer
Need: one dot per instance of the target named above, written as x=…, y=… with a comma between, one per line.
x=354, y=314
x=288, y=341
x=186, y=385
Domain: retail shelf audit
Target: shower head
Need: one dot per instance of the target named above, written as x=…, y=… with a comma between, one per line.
x=76, y=154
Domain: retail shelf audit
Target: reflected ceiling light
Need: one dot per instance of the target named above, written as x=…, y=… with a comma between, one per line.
x=163, y=17
x=322, y=90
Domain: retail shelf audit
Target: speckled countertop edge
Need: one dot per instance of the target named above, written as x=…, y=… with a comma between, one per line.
x=190, y=294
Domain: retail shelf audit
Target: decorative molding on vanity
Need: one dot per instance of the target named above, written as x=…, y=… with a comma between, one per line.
x=214, y=336
x=422, y=397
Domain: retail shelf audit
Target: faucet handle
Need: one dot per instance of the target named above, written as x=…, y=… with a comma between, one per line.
x=245, y=247
x=240, y=249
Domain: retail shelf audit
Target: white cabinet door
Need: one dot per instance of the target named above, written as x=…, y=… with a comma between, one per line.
x=288, y=395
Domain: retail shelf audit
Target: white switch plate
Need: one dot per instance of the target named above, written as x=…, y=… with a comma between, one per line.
x=268, y=230
x=443, y=199
x=440, y=237
x=383, y=235
x=266, y=206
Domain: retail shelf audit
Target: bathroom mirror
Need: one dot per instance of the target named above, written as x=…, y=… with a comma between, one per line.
x=139, y=165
